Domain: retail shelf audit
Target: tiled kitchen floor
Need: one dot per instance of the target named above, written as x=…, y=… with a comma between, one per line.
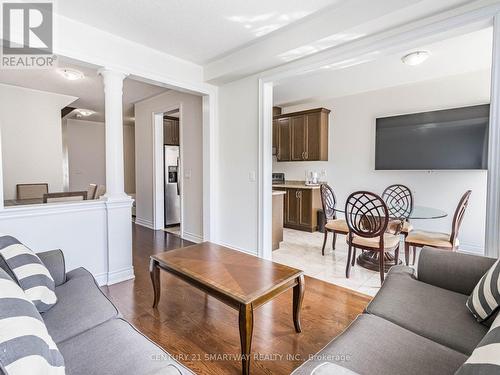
x=302, y=250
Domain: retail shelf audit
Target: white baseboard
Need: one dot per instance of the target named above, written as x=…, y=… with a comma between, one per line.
x=144, y=223
x=102, y=279
x=192, y=237
x=471, y=249
x=238, y=248
x=120, y=275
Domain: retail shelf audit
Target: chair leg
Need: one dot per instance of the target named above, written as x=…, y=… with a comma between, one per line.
x=353, y=261
x=414, y=255
x=324, y=242
x=381, y=266
x=407, y=254
x=334, y=241
x=396, y=256
x=348, y=265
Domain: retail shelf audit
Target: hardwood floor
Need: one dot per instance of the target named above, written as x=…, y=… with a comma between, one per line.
x=202, y=332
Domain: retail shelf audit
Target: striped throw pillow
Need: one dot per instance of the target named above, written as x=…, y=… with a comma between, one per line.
x=485, y=359
x=31, y=274
x=485, y=297
x=25, y=344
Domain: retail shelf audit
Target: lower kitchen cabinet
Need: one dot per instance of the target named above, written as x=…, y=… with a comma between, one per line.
x=300, y=208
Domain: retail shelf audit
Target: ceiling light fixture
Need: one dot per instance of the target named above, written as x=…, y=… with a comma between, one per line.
x=84, y=112
x=71, y=74
x=415, y=58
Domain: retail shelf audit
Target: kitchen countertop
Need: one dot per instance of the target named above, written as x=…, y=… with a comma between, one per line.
x=279, y=192
x=295, y=185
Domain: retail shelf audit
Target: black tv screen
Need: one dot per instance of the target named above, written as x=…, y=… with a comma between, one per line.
x=448, y=139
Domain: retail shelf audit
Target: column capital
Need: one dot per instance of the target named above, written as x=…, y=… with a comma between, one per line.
x=106, y=72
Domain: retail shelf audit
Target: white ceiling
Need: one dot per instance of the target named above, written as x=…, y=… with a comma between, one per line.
x=89, y=90
x=466, y=53
x=195, y=30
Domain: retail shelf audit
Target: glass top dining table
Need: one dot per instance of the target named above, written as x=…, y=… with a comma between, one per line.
x=418, y=212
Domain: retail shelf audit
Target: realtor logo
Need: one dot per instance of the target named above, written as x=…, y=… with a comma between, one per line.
x=27, y=35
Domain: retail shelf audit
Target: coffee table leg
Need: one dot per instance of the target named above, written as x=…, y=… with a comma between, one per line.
x=298, y=295
x=246, y=330
x=154, y=271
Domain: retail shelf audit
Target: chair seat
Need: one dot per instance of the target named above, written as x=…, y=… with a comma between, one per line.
x=433, y=239
x=393, y=226
x=337, y=225
x=390, y=241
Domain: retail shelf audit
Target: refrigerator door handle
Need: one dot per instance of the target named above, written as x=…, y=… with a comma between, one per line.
x=178, y=178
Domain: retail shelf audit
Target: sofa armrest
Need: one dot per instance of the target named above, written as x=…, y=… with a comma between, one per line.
x=54, y=261
x=453, y=271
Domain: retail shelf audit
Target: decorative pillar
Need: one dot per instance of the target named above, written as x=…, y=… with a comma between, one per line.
x=118, y=204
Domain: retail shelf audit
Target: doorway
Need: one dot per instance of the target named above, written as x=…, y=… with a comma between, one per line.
x=171, y=163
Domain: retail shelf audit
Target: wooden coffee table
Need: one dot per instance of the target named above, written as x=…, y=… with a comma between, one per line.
x=242, y=281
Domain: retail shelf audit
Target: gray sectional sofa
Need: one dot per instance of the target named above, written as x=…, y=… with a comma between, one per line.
x=91, y=334
x=416, y=324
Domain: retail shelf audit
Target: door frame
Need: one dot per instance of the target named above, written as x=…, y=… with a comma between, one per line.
x=412, y=35
x=158, y=168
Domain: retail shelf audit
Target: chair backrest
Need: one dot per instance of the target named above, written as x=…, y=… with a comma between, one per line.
x=100, y=191
x=459, y=215
x=91, y=191
x=31, y=191
x=328, y=201
x=399, y=201
x=366, y=214
x=69, y=196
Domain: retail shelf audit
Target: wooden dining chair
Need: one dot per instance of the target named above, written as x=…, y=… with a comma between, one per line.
x=399, y=201
x=100, y=191
x=31, y=191
x=70, y=196
x=332, y=224
x=445, y=241
x=367, y=217
x=91, y=189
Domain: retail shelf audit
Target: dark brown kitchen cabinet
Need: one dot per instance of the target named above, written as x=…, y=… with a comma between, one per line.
x=301, y=136
x=170, y=131
x=300, y=208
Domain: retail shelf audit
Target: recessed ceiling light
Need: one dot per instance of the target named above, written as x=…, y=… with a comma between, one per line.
x=415, y=58
x=84, y=112
x=71, y=74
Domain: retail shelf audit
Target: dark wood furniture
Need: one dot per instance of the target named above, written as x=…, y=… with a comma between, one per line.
x=301, y=205
x=301, y=136
x=170, y=131
x=399, y=201
x=277, y=221
x=241, y=281
x=418, y=239
x=367, y=217
x=332, y=224
x=68, y=196
x=31, y=191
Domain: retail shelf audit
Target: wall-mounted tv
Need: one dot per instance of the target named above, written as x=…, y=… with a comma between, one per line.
x=447, y=139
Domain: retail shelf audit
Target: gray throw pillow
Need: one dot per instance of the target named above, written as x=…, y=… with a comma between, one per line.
x=485, y=298
x=25, y=344
x=485, y=359
x=30, y=273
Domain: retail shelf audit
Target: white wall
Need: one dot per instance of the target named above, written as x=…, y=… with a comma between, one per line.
x=191, y=156
x=31, y=137
x=238, y=138
x=87, y=154
x=351, y=150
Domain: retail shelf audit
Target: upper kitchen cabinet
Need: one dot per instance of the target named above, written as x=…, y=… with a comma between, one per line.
x=301, y=136
x=170, y=131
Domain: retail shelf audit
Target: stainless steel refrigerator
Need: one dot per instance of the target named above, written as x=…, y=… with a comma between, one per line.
x=172, y=188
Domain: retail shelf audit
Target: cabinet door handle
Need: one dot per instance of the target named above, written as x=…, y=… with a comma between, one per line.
x=278, y=154
x=305, y=153
x=302, y=155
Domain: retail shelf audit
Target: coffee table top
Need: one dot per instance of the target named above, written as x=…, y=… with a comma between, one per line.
x=240, y=276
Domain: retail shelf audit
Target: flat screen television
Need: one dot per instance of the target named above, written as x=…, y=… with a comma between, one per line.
x=447, y=139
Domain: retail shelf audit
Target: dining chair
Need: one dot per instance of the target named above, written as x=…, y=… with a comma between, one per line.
x=399, y=201
x=70, y=196
x=445, y=241
x=91, y=189
x=367, y=217
x=332, y=224
x=100, y=191
x=31, y=191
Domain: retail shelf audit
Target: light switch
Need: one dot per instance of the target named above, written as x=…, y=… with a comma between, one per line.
x=251, y=176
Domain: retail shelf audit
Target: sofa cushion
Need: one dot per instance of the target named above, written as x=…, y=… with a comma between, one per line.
x=435, y=313
x=116, y=348
x=485, y=359
x=81, y=305
x=372, y=345
x=25, y=345
x=29, y=272
x=485, y=298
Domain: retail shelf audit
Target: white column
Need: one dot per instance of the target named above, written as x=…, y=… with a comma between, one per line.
x=492, y=243
x=113, y=92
